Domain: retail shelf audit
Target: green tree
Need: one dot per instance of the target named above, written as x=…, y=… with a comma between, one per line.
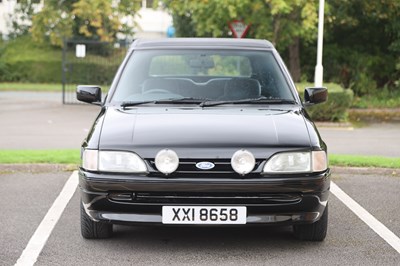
x=53, y=22
x=283, y=22
x=89, y=19
x=362, y=44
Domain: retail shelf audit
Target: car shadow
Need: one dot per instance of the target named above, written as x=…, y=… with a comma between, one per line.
x=208, y=239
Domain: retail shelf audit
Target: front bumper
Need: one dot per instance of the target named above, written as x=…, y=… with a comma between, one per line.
x=139, y=199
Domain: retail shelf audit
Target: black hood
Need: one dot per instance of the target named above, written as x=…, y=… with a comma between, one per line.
x=203, y=133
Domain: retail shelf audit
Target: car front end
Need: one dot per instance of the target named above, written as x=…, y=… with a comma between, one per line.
x=214, y=156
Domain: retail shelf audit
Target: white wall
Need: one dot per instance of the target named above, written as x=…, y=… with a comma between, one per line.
x=152, y=23
x=7, y=8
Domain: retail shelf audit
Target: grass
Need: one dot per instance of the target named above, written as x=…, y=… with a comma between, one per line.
x=25, y=49
x=364, y=161
x=40, y=156
x=72, y=156
x=9, y=86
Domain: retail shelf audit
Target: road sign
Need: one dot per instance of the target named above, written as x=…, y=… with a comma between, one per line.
x=239, y=28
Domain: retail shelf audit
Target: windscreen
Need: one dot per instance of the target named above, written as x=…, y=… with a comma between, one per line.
x=215, y=75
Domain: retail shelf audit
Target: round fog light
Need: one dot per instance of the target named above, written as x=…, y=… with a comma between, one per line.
x=167, y=161
x=243, y=162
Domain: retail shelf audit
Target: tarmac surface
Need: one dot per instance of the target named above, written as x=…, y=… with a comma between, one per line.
x=32, y=120
x=39, y=120
x=26, y=197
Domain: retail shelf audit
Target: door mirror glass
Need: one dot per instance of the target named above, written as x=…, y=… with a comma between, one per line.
x=315, y=95
x=89, y=94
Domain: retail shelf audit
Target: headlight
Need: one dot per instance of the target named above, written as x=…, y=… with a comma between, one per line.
x=167, y=161
x=297, y=162
x=243, y=162
x=113, y=161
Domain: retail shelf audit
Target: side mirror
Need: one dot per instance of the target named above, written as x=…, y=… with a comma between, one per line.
x=89, y=94
x=315, y=95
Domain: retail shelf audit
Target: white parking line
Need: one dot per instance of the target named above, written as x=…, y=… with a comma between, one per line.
x=367, y=218
x=42, y=233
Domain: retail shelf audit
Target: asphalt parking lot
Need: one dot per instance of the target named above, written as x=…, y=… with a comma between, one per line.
x=349, y=240
x=28, y=195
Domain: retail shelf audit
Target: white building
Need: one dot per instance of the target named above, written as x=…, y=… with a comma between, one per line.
x=151, y=23
x=7, y=9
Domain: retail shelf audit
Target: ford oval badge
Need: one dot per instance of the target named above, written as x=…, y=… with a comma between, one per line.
x=205, y=165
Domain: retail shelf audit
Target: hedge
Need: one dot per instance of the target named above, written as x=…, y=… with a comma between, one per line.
x=335, y=108
x=33, y=71
x=22, y=60
x=50, y=72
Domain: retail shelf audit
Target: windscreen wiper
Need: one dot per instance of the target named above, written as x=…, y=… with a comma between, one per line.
x=129, y=104
x=166, y=101
x=185, y=100
x=249, y=101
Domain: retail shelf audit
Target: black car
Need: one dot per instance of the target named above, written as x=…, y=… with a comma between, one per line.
x=203, y=131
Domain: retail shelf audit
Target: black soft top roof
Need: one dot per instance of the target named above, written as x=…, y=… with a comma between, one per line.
x=201, y=43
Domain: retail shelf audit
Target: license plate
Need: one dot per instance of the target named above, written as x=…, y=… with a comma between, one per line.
x=203, y=215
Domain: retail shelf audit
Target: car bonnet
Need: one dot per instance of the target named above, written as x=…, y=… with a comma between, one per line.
x=204, y=133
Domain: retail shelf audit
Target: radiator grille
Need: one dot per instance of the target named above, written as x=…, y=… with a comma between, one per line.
x=222, y=168
x=188, y=198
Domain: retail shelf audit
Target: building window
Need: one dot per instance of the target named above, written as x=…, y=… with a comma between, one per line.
x=147, y=3
x=33, y=1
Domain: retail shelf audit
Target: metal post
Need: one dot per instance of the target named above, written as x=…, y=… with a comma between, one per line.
x=63, y=69
x=319, y=70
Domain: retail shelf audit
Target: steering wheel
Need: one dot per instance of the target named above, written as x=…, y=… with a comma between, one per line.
x=156, y=91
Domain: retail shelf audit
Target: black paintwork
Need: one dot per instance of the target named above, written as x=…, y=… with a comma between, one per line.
x=215, y=132
x=204, y=133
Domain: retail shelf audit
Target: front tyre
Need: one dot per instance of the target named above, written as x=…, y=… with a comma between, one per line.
x=94, y=230
x=313, y=232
